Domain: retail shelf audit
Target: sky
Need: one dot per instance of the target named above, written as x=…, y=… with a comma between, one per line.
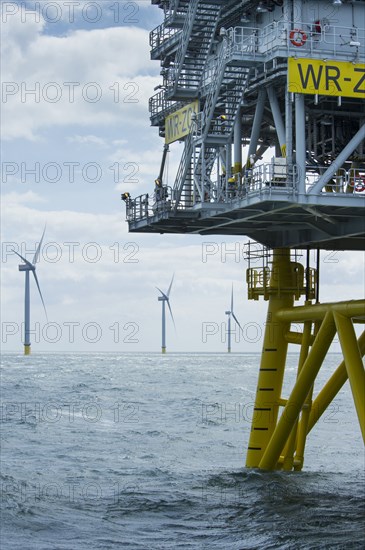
x=76, y=79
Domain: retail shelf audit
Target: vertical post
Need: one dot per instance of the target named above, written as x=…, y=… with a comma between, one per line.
x=202, y=182
x=289, y=128
x=228, y=166
x=163, y=327
x=229, y=333
x=273, y=358
x=300, y=143
x=361, y=146
x=256, y=126
x=317, y=274
x=27, y=316
x=238, y=143
x=229, y=160
x=307, y=276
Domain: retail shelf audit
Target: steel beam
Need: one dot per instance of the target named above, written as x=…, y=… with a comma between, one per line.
x=331, y=388
x=353, y=144
x=278, y=119
x=300, y=144
x=256, y=125
x=354, y=367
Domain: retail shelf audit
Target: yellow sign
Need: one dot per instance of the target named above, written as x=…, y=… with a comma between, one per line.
x=178, y=124
x=335, y=78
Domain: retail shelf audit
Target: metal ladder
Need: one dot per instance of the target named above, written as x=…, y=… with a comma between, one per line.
x=180, y=193
x=200, y=24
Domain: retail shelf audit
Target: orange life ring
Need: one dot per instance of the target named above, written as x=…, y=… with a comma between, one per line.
x=297, y=37
x=359, y=186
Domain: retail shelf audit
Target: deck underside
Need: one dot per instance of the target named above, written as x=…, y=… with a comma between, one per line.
x=272, y=221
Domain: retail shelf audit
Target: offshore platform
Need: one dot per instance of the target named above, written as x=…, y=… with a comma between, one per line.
x=241, y=80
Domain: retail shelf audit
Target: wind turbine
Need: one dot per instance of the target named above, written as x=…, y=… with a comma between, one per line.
x=230, y=314
x=30, y=267
x=164, y=298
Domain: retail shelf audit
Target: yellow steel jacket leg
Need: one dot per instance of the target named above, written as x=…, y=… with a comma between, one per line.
x=299, y=394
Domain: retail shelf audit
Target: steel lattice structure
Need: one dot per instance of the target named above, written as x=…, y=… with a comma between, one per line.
x=241, y=80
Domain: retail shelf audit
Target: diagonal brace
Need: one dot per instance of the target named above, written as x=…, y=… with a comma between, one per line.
x=353, y=363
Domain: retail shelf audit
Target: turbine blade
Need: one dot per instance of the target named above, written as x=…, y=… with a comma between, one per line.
x=168, y=291
x=237, y=321
x=172, y=317
x=40, y=293
x=232, y=299
x=37, y=252
x=163, y=294
x=24, y=259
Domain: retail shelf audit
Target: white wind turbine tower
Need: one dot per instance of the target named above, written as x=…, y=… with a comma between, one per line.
x=230, y=314
x=165, y=299
x=30, y=267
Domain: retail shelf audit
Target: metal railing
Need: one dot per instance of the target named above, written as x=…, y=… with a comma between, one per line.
x=159, y=106
x=146, y=206
x=161, y=34
x=299, y=38
x=303, y=282
x=343, y=181
x=261, y=180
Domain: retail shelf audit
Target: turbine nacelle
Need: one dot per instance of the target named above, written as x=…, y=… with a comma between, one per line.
x=26, y=267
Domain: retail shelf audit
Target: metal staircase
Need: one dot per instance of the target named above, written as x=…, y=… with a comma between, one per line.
x=222, y=102
x=218, y=117
x=184, y=75
x=182, y=190
x=215, y=127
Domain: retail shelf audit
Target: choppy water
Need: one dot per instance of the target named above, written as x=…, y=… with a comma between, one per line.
x=147, y=452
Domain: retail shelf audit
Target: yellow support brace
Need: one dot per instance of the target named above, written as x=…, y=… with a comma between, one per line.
x=331, y=388
x=354, y=366
x=290, y=447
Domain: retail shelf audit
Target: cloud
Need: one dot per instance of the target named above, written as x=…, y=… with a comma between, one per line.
x=89, y=77
x=11, y=200
x=89, y=139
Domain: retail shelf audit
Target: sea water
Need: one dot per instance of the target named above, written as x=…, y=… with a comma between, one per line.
x=145, y=451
